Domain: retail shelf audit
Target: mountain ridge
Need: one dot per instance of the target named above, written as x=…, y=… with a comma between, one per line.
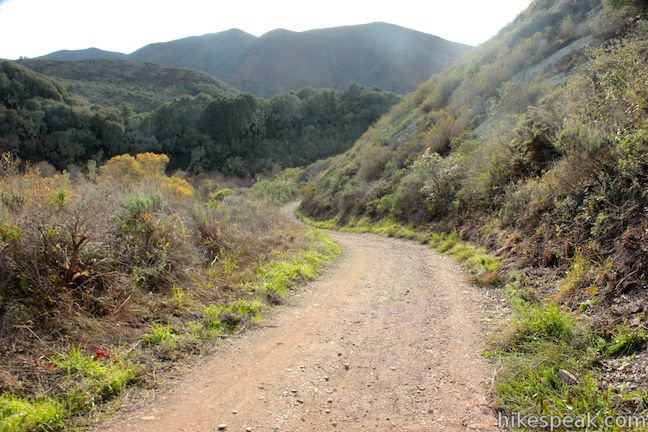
x=375, y=54
x=83, y=54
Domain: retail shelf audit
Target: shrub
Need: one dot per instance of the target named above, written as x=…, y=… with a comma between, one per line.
x=372, y=163
x=534, y=142
x=440, y=182
x=279, y=189
x=239, y=311
x=219, y=196
x=408, y=198
x=179, y=187
x=9, y=164
x=439, y=138
x=125, y=167
x=155, y=243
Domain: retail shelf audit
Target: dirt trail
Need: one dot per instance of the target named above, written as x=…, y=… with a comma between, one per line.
x=388, y=340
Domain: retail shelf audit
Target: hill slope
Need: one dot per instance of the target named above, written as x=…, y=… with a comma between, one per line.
x=535, y=145
x=42, y=119
x=84, y=54
x=378, y=54
x=207, y=53
x=118, y=83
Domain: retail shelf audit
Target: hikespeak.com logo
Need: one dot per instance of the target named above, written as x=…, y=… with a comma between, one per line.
x=585, y=422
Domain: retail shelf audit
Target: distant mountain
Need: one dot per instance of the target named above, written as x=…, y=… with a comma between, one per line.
x=208, y=53
x=84, y=54
x=378, y=54
x=143, y=87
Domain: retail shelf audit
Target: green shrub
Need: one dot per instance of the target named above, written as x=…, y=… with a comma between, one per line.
x=211, y=319
x=219, y=196
x=279, y=189
x=408, y=199
x=240, y=311
x=372, y=163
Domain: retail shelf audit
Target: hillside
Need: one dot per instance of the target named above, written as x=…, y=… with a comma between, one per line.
x=208, y=53
x=533, y=145
x=116, y=83
x=84, y=54
x=378, y=54
x=44, y=120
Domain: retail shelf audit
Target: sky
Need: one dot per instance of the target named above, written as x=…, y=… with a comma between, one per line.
x=36, y=27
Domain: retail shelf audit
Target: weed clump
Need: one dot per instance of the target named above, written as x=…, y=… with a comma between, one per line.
x=22, y=414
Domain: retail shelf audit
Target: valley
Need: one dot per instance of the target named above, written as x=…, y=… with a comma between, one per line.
x=357, y=227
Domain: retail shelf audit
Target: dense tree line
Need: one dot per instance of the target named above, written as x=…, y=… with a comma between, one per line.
x=236, y=135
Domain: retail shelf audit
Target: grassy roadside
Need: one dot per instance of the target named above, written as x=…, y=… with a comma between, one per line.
x=484, y=267
x=89, y=378
x=162, y=271
x=548, y=356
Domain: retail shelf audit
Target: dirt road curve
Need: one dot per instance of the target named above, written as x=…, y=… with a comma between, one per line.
x=388, y=340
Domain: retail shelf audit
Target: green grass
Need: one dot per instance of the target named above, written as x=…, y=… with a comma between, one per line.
x=575, y=276
x=90, y=380
x=626, y=341
x=274, y=279
x=85, y=381
x=447, y=242
x=483, y=265
x=268, y=284
x=179, y=298
x=211, y=319
x=35, y=414
x=534, y=346
x=545, y=322
x=541, y=339
x=219, y=318
x=160, y=335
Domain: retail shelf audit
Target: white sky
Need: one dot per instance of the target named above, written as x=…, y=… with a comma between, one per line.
x=36, y=27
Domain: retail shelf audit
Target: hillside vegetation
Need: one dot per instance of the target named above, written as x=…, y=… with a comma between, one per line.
x=378, y=54
x=142, y=87
x=44, y=120
x=535, y=145
x=110, y=276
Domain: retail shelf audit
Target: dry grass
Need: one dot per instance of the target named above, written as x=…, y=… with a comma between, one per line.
x=97, y=264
